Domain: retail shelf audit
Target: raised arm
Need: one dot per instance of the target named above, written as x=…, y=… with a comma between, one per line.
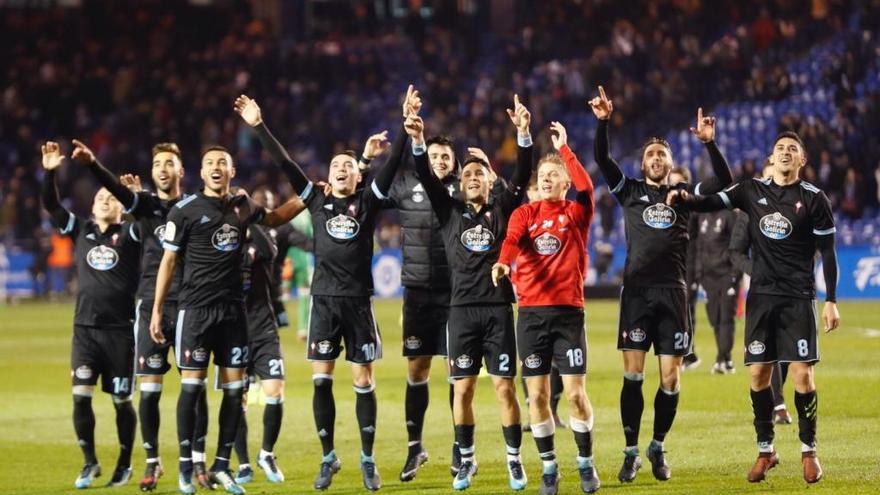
x=440, y=200
x=52, y=159
x=84, y=156
x=602, y=108
x=521, y=118
x=580, y=179
x=284, y=213
x=251, y=114
x=705, y=132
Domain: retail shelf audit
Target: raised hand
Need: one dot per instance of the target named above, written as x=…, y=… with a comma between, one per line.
x=601, y=105
x=412, y=102
x=520, y=116
x=705, y=130
x=52, y=157
x=830, y=316
x=415, y=127
x=477, y=152
x=82, y=154
x=376, y=145
x=132, y=182
x=676, y=196
x=499, y=271
x=249, y=110
x=558, y=136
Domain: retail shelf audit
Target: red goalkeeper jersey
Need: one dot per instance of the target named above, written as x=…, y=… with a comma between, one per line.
x=548, y=240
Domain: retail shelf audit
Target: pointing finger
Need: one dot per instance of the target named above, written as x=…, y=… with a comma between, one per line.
x=602, y=94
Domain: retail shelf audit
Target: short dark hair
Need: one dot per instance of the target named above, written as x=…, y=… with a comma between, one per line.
x=215, y=147
x=474, y=159
x=166, y=148
x=682, y=171
x=790, y=135
x=655, y=140
x=442, y=140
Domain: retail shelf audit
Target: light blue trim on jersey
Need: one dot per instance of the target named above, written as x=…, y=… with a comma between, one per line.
x=697, y=189
x=524, y=141
x=809, y=187
x=134, y=204
x=825, y=231
x=307, y=191
x=71, y=221
x=185, y=201
x=619, y=185
x=419, y=149
x=376, y=191
x=725, y=199
x=764, y=181
x=132, y=233
x=170, y=247
x=178, y=337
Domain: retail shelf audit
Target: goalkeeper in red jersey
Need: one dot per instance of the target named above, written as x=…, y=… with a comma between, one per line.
x=548, y=238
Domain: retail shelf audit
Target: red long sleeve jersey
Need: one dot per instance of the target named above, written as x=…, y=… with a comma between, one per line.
x=548, y=240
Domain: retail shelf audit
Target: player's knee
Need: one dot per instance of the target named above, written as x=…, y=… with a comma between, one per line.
x=419, y=370
x=577, y=398
x=321, y=380
x=505, y=389
x=671, y=382
x=363, y=381
x=539, y=399
x=273, y=388
x=84, y=391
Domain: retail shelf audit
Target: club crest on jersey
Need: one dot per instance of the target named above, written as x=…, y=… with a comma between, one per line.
x=775, y=226
x=412, y=342
x=226, y=238
x=342, y=227
x=637, y=335
x=155, y=361
x=418, y=197
x=83, y=372
x=659, y=216
x=464, y=361
x=756, y=347
x=160, y=233
x=477, y=239
x=547, y=244
x=199, y=354
x=532, y=361
x=102, y=258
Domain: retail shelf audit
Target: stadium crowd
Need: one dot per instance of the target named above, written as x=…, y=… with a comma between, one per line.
x=123, y=77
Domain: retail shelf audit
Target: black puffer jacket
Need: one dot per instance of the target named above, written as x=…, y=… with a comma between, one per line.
x=424, y=259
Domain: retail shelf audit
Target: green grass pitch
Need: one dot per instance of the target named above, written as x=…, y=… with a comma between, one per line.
x=711, y=446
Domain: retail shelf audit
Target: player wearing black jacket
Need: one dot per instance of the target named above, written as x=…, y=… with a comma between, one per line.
x=151, y=359
x=207, y=231
x=480, y=316
x=653, y=302
x=789, y=220
x=341, y=306
x=106, y=254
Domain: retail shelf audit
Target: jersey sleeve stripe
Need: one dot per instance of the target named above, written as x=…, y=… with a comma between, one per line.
x=170, y=247
x=524, y=141
x=697, y=189
x=70, y=222
x=725, y=199
x=185, y=201
x=133, y=232
x=419, y=149
x=825, y=231
x=619, y=185
x=376, y=191
x=134, y=204
x=307, y=191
